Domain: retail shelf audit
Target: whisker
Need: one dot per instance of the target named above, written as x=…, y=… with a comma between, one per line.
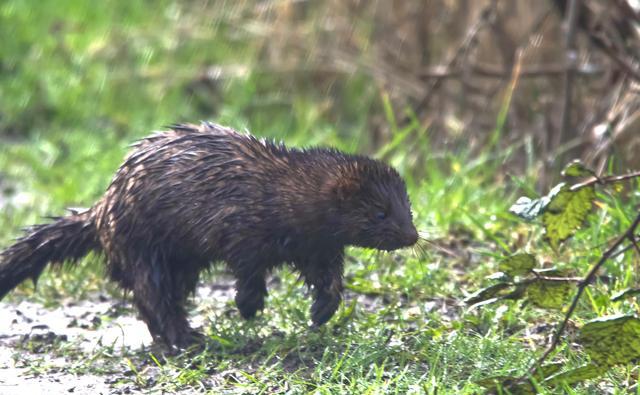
x=441, y=248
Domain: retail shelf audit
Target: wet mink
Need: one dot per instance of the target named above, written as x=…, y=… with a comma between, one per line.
x=197, y=194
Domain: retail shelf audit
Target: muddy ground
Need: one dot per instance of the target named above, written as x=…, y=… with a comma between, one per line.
x=44, y=350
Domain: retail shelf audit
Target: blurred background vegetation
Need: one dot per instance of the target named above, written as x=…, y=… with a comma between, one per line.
x=463, y=97
x=460, y=76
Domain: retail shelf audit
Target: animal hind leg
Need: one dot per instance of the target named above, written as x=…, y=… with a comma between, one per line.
x=159, y=301
x=250, y=293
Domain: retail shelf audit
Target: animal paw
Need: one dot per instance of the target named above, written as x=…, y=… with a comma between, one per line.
x=324, y=308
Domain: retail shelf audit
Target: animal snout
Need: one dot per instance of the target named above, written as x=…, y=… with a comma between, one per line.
x=411, y=236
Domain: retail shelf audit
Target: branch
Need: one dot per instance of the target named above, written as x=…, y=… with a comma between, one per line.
x=552, y=279
x=625, y=64
x=571, y=59
x=485, y=16
x=491, y=71
x=605, y=180
x=594, y=26
x=633, y=241
x=628, y=234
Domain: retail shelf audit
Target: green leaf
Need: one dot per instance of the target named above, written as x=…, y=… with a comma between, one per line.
x=507, y=385
x=517, y=264
x=572, y=376
x=611, y=340
x=566, y=212
x=222, y=341
x=492, y=381
x=548, y=373
x=529, y=209
x=486, y=293
x=577, y=169
x=552, y=272
x=549, y=294
x=549, y=369
x=625, y=293
x=499, y=276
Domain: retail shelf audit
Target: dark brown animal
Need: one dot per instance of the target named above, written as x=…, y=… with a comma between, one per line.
x=194, y=195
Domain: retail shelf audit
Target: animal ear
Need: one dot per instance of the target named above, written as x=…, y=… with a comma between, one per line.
x=344, y=188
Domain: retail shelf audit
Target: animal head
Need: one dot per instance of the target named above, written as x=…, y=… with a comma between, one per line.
x=372, y=201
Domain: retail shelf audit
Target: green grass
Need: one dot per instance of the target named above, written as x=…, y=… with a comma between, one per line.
x=80, y=81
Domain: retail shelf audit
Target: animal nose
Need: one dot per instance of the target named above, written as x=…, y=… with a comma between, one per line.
x=411, y=236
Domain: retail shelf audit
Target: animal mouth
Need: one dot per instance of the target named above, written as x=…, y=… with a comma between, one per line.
x=405, y=240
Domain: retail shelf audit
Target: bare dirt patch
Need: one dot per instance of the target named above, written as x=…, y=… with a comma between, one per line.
x=45, y=350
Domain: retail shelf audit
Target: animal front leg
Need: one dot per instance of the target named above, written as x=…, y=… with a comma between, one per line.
x=324, y=274
x=327, y=301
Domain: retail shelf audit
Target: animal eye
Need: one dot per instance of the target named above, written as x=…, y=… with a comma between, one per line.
x=381, y=215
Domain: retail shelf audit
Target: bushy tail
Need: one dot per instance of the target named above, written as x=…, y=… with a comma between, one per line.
x=67, y=239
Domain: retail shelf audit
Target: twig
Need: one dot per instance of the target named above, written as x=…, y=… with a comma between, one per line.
x=633, y=241
x=622, y=250
x=552, y=279
x=485, y=16
x=545, y=70
x=571, y=59
x=627, y=10
x=490, y=71
x=592, y=25
x=625, y=64
x=605, y=180
x=629, y=233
